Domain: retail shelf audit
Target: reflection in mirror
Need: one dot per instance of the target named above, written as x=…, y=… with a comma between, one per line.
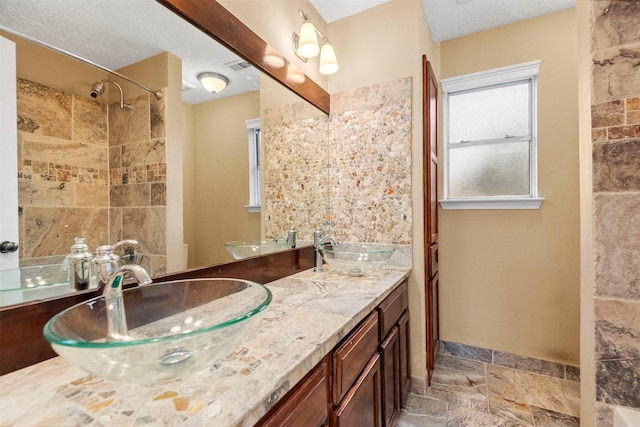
x=88, y=168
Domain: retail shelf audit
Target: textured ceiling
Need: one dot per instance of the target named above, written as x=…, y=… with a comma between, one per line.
x=449, y=19
x=116, y=33
x=334, y=10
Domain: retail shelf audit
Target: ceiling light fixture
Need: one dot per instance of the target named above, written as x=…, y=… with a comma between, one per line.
x=213, y=82
x=306, y=46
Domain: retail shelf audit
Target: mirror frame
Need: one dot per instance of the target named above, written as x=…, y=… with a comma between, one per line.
x=218, y=23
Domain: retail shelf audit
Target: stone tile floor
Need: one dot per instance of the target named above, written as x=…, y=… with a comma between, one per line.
x=466, y=392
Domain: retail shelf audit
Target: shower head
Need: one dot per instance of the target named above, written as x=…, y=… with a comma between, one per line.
x=97, y=89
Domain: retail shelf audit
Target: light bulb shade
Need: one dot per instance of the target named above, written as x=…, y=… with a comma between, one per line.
x=328, y=60
x=308, y=43
x=213, y=82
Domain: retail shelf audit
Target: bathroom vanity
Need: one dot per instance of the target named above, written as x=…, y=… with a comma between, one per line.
x=329, y=349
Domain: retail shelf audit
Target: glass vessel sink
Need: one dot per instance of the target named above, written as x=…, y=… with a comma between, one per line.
x=356, y=259
x=240, y=249
x=174, y=329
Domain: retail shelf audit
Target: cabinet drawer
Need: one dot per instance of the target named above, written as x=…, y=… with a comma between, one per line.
x=392, y=307
x=306, y=405
x=353, y=354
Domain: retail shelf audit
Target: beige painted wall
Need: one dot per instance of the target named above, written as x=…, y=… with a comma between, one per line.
x=188, y=184
x=509, y=280
x=221, y=176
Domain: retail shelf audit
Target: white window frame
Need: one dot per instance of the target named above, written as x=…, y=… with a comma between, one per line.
x=477, y=81
x=255, y=188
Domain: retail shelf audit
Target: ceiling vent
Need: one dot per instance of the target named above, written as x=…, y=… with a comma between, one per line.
x=238, y=65
x=187, y=86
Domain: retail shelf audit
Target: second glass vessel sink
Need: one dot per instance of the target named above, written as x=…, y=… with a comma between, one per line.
x=174, y=329
x=240, y=249
x=356, y=259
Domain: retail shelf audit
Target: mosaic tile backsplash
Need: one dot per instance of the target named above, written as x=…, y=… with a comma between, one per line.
x=615, y=117
x=90, y=170
x=357, y=184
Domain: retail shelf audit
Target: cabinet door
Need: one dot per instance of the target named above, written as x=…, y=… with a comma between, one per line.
x=432, y=327
x=307, y=405
x=403, y=339
x=361, y=406
x=390, y=351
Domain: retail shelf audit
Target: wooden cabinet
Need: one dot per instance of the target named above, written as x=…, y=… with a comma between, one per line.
x=361, y=407
x=390, y=352
x=362, y=381
x=353, y=354
x=306, y=405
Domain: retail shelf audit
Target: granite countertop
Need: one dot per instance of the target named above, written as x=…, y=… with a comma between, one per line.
x=310, y=313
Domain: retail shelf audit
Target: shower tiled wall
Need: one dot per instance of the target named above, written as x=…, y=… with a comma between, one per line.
x=62, y=172
x=85, y=169
x=615, y=115
x=356, y=184
x=138, y=171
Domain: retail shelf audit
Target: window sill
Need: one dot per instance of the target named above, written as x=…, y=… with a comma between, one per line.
x=253, y=208
x=510, y=203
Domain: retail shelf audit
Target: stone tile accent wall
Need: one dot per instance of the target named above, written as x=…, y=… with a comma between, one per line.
x=357, y=184
x=615, y=115
x=62, y=172
x=370, y=163
x=295, y=175
x=85, y=169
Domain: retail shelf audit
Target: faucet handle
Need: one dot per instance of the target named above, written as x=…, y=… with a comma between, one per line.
x=124, y=242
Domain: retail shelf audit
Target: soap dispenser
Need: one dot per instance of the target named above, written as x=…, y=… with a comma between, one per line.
x=78, y=265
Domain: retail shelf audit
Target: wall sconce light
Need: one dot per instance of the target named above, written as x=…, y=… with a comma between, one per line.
x=306, y=46
x=213, y=82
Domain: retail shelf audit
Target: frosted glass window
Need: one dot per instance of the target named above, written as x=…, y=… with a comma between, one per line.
x=489, y=170
x=490, y=113
x=490, y=139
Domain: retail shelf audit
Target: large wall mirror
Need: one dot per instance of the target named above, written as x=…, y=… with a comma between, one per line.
x=89, y=168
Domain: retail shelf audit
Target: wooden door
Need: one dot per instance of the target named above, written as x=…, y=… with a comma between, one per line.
x=430, y=153
x=430, y=184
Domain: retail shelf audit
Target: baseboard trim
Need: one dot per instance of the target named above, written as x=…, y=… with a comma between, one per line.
x=510, y=360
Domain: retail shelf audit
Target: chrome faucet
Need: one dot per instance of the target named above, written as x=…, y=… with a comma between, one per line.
x=106, y=262
x=117, y=329
x=318, y=242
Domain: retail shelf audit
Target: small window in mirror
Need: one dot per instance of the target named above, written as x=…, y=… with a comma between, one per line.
x=255, y=144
